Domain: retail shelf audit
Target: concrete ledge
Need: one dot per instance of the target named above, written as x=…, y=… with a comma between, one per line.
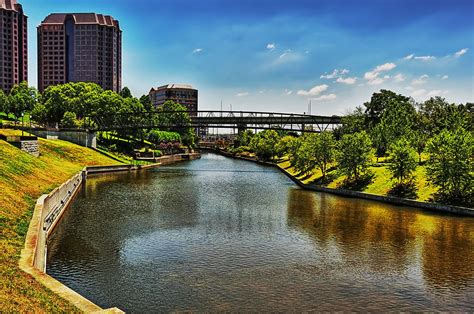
x=50, y=208
x=434, y=207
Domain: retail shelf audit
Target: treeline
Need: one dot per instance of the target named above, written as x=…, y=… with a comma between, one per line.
x=395, y=130
x=82, y=104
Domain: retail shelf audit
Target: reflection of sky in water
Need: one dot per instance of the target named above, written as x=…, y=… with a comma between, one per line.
x=226, y=235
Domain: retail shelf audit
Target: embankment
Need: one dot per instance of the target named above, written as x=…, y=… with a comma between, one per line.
x=47, y=214
x=434, y=207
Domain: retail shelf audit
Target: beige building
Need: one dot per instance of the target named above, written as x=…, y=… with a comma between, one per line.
x=184, y=94
x=13, y=45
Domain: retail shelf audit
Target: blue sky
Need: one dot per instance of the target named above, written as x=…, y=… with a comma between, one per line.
x=273, y=55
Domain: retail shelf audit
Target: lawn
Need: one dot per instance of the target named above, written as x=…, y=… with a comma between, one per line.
x=23, y=178
x=381, y=182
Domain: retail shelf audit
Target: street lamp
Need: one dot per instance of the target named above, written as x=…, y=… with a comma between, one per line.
x=22, y=124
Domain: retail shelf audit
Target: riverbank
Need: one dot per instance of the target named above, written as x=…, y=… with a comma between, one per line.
x=24, y=178
x=285, y=167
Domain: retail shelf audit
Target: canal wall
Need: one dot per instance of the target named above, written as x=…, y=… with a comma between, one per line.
x=79, y=137
x=48, y=212
x=433, y=207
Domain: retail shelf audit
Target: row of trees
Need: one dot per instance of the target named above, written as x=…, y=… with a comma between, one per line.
x=78, y=104
x=394, y=127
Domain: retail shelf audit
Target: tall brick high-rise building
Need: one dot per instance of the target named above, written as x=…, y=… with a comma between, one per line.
x=80, y=47
x=13, y=45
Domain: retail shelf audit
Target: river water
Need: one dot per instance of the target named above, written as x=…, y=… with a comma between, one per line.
x=219, y=234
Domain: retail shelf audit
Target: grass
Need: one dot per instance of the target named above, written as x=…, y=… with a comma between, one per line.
x=23, y=178
x=381, y=182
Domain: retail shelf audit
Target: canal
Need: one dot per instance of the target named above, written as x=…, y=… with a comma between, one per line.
x=219, y=234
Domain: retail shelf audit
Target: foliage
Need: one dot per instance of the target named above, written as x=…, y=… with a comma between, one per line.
x=284, y=145
x=450, y=165
x=69, y=120
x=354, y=154
x=379, y=103
x=264, y=143
x=156, y=136
x=436, y=114
x=146, y=102
x=125, y=93
x=3, y=102
x=21, y=99
x=402, y=160
x=354, y=121
x=323, y=151
x=245, y=137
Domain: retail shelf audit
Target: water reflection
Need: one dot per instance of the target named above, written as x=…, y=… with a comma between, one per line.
x=227, y=235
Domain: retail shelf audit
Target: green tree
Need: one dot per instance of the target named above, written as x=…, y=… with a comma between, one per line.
x=284, y=145
x=437, y=114
x=39, y=114
x=323, y=151
x=126, y=93
x=69, y=120
x=354, y=121
x=354, y=155
x=146, y=102
x=3, y=102
x=245, y=137
x=22, y=98
x=379, y=103
x=264, y=143
x=173, y=117
x=450, y=165
x=402, y=160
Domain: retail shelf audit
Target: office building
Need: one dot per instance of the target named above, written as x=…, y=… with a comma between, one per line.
x=13, y=45
x=80, y=47
x=184, y=94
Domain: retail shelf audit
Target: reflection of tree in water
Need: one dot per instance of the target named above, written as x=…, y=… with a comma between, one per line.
x=385, y=237
x=448, y=253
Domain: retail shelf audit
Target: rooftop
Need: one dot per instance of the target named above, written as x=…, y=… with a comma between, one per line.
x=9, y=5
x=80, y=18
x=170, y=86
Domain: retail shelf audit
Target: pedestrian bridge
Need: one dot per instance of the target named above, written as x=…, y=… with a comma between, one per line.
x=240, y=120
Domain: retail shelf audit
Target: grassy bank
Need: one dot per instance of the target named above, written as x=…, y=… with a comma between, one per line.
x=380, y=184
x=23, y=178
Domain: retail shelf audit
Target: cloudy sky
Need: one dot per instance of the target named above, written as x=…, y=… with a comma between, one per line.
x=274, y=55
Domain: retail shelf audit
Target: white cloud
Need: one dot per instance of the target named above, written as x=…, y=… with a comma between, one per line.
x=425, y=58
x=288, y=92
x=373, y=76
x=433, y=93
x=376, y=81
x=420, y=81
x=409, y=57
x=262, y=91
x=418, y=92
x=325, y=97
x=285, y=54
x=334, y=74
x=461, y=52
x=316, y=90
x=197, y=50
x=444, y=77
x=271, y=46
x=348, y=80
x=242, y=94
x=399, y=78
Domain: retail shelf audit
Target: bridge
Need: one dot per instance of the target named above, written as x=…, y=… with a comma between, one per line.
x=240, y=120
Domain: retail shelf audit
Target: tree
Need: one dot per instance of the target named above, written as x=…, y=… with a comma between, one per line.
x=284, y=145
x=450, y=165
x=354, y=154
x=22, y=99
x=69, y=120
x=173, y=117
x=146, y=102
x=264, y=143
x=245, y=137
x=3, y=102
x=126, y=93
x=402, y=160
x=354, y=121
x=437, y=114
x=323, y=150
x=379, y=102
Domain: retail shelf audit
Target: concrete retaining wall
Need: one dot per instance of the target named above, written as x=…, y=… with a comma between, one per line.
x=48, y=212
x=82, y=138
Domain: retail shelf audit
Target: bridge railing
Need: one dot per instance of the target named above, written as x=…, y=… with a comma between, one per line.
x=205, y=118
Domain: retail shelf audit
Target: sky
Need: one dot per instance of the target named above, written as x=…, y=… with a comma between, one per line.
x=275, y=55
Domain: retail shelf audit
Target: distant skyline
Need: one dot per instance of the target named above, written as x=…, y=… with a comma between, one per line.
x=277, y=55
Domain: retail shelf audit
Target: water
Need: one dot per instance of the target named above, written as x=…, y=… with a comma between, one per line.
x=218, y=234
